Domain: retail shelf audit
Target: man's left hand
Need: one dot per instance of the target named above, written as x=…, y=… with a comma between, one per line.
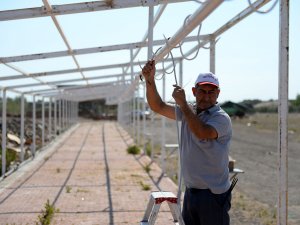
x=179, y=95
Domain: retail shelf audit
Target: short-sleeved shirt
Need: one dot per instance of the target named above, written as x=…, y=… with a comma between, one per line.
x=204, y=162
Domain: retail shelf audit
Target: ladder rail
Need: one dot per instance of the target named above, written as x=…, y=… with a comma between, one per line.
x=149, y=208
x=154, y=214
x=176, y=213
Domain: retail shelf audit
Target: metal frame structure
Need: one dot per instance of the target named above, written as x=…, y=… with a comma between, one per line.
x=63, y=100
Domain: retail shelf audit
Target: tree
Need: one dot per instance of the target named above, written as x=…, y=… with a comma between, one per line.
x=297, y=101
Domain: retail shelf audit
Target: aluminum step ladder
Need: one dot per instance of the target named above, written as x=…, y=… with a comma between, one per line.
x=154, y=204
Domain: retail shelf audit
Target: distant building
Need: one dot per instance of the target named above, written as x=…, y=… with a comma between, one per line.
x=267, y=106
x=235, y=109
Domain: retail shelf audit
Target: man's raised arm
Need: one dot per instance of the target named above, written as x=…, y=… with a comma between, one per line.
x=154, y=100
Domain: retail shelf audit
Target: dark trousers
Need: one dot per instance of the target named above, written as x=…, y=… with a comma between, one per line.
x=202, y=207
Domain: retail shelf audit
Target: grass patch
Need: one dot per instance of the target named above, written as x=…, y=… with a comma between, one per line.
x=47, y=158
x=252, y=209
x=47, y=214
x=147, y=168
x=11, y=157
x=68, y=189
x=82, y=190
x=145, y=187
x=148, y=149
x=134, y=150
x=135, y=175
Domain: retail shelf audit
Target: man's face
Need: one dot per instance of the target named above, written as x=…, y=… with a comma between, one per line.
x=206, y=95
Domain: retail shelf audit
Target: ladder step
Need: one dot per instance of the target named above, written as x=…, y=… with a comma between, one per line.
x=153, y=207
x=160, y=197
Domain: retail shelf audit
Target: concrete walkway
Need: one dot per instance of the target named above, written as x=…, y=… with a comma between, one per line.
x=89, y=177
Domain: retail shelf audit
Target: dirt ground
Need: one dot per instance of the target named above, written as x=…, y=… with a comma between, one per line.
x=254, y=147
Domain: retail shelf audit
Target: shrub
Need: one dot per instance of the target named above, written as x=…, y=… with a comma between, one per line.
x=148, y=149
x=133, y=150
x=11, y=156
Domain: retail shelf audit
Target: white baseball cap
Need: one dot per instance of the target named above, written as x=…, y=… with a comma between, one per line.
x=207, y=78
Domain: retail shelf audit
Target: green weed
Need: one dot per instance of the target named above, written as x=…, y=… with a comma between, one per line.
x=145, y=187
x=47, y=214
x=68, y=189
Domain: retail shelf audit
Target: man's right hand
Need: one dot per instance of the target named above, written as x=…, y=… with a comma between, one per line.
x=148, y=70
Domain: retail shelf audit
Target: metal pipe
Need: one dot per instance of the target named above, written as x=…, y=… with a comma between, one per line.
x=160, y=11
x=212, y=55
x=33, y=144
x=55, y=117
x=239, y=17
x=180, y=73
x=50, y=119
x=59, y=118
x=43, y=121
x=163, y=120
x=3, y=132
x=133, y=102
x=83, y=51
x=194, y=20
x=78, y=8
x=150, y=52
x=137, y=116
x=282, y=210
x=62, y=115
x=22, y=128
x=58, y=27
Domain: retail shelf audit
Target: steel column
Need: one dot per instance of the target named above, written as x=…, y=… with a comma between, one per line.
x=163, y=121
x=150, y=53
x=3, y=132
x=43, y=121
x=133, y=102
x=59, y=115
x=212, y=55
x=33, y=144
x=181, y=73
x=63, y=114
x=22, y=128
x=138, y=116
x=55, y=117
x=50, y=119
x=282, y=211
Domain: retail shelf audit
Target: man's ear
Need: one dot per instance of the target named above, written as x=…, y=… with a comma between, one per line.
x=194, y=91
x=218, y=93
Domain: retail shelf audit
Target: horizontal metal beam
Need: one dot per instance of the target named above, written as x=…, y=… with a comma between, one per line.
x=76, y=93
x=65, y=81
x=92, y=50
x=84, y=69
x=57, y=83
x=78, y=8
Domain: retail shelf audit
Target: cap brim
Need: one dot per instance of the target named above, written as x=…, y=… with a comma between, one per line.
x=201, y=83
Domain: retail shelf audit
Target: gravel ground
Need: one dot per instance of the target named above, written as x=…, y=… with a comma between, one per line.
x=254, y=147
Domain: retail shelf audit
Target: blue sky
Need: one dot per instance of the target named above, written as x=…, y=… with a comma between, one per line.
x=246, y=55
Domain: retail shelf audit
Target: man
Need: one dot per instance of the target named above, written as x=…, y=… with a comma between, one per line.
x=205, y=137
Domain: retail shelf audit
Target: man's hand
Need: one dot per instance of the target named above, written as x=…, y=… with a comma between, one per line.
x=179, y=95
x=149, y=71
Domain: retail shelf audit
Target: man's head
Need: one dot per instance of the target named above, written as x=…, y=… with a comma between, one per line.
x=206, y=90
